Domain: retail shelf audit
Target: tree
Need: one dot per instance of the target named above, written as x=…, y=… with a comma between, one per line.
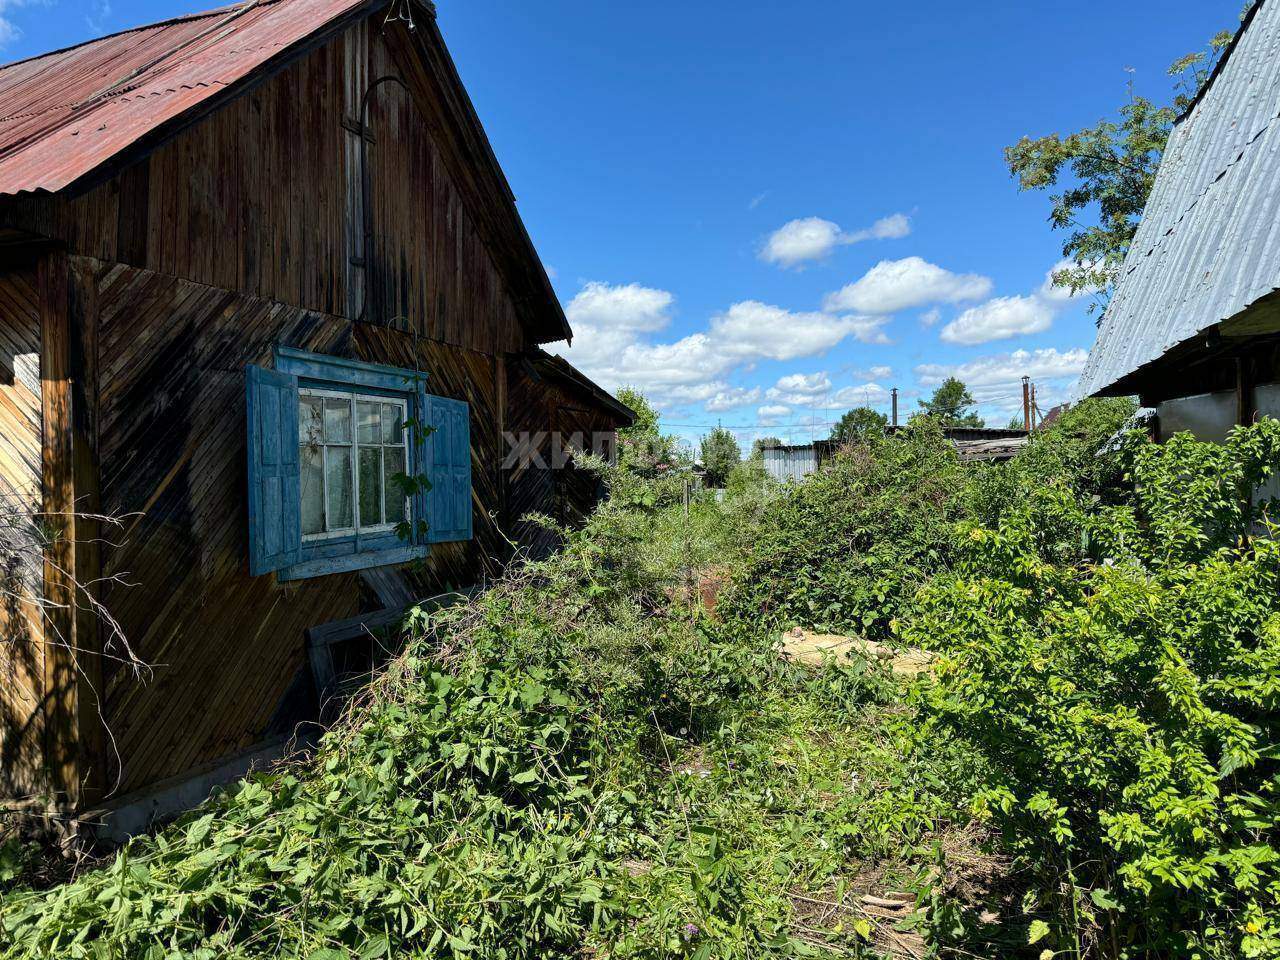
x=642, y=446
x=1109, y=170
x=859, y=424
x=646, y=425
x=720, y=454
x=948, y=405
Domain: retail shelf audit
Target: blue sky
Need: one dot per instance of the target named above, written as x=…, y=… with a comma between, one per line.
x=761, y=213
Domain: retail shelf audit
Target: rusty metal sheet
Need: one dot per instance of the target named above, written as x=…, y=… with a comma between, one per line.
x=1208, y=245
x=65, y=113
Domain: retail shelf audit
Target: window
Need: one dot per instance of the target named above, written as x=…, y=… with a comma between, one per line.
x=351, y=447
x=326, y=438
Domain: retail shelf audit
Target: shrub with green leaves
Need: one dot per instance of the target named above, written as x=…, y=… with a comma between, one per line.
x=1119, y=666
x=847, y=549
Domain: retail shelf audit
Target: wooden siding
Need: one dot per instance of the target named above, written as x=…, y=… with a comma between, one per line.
x=243, y=232
x=226, y=648
x=461, y=375
x=545, y=413
x=21, y=651
x=263, y=197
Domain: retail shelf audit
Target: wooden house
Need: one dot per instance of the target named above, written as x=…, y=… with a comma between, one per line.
x=1193, y=326
x=245, y=257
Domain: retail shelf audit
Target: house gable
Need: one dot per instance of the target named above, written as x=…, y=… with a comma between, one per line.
x=265, y=193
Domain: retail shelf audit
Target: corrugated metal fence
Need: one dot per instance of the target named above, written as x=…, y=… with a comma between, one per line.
x=790, y=463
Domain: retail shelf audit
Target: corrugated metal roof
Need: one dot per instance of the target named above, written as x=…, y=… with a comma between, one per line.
x=1208, y=245
x=65, y=113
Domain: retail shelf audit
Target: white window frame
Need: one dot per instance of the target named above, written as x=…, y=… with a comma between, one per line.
x=352, y=396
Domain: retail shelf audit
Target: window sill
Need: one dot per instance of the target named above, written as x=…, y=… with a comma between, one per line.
x=354, y=561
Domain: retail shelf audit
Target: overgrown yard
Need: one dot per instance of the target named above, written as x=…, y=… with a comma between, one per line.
x=582, y=762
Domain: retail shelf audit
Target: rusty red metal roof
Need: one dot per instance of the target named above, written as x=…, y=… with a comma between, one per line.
x=66, y=113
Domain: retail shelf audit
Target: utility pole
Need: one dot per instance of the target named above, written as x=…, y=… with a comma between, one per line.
x=895, y=406
x=1026, y=403
x=1034, y=409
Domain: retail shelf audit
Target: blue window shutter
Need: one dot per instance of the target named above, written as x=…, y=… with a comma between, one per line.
x=448, y=466
x=275, y=509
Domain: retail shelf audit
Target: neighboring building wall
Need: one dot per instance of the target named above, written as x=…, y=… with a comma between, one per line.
x=21, y=634
x=790, y=463
x=1266, y=400
x=1209, y=416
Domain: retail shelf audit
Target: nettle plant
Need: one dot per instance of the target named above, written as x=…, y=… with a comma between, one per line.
x=1119, y=667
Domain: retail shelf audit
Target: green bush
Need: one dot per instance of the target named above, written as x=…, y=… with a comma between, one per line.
x=1067, y=453
x=1119, y=666
x=847, y=549
x=452, y=812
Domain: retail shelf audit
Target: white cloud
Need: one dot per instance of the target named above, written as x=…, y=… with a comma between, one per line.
x=770, y=414
x=879, y=373
x=752, y=329
x=613, y=327
x=998, y=376
x=861, y=395
x=803, y=384
x=730, y=398
x=758, y=199
x=794, y=391
x=1055, y=294
x=622, y=307
x=1003, y=317
x=893, y=227
x=97, y=16
x=999, y=319
x=930, y=317
x=9, y=31
x=607, y=320
x=813, y=238
x=893, y=285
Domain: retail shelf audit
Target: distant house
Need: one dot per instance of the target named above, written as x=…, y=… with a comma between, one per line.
x=244, y=255
x=1193, y=327
x=795, y=462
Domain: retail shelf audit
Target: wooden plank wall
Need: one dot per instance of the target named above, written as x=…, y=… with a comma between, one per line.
x=233, y=236
x=257, y=198
x=462, y=375
x=226, y=647
x=539, y=408
x=21, y=650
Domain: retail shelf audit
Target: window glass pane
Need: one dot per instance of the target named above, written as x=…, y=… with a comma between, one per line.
x=337, y=420
x=312, y=468
x=392, y=423
x=395, y=493
x=310, y=420
x=367, y=417
x=370, y=486
x=338, y=471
